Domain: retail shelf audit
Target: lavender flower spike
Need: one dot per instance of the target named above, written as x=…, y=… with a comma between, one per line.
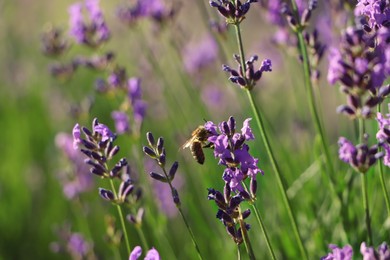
x=344, y=253
x=152, y=254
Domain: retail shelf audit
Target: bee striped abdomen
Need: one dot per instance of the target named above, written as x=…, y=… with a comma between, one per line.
x=197, y=151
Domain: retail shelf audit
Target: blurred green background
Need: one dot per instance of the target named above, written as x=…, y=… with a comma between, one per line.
x=35, y=107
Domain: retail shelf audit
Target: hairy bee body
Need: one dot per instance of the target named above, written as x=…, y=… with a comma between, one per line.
x=197, y=142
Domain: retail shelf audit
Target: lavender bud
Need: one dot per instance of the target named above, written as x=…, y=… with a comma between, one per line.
x=253, y=187
x=384, y=91
x=86, y=131
x=150, y=138
x=162, y=158
x=235, y=201
x=231, y=231
x=232, y=124
x=344, y=109
x=223, y=216
x=353, y=101
x=88, y=145
x=227, y=191
x=125, y=189
x=149, y=152
x=131, y=218
x=175, y=196
x=95, y=122
x=372, y=101
x=173, y=170
x=160, y=145
x=97, y=172
x=245, y=195
x=113, y=151
x=306, y=15
x=97, y=166
x=106, y=194
x=158, y=177
x=246, y=213
x=225, y=128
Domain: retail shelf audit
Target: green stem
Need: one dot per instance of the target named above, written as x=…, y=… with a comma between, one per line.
x=141, y=234
x=238, y=253
x=247, y=241
x=364, y=187
x=183, y=217
x=121, y=219
x=383, y=182
x=275, y=166
x=262, y=227
x=366, y=208
x=276, y=169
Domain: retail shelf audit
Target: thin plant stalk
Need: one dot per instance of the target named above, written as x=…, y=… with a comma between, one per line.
x=121, y=219
x=247, y=241
x=383, y=182
x=274, y=164
x=184, y=218
x=313, y=108
x=263, y=229
x=141, y=234
x=364, y=188
x=366, y=207
x=238, y=253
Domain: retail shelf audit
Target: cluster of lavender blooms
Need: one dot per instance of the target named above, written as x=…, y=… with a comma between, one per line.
x=248, y=78
x=98, y=146
x=93, y=32
x=360, y=157
x=156, y=151
x=152, y=254
x=155, y=9
x=368, y=253
x=91, y=35
x=233, y=11
x=362, y=61
x=232, y=151
x=78, y=180
x=72, y=243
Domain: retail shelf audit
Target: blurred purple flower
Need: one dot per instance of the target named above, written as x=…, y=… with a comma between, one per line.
x=93, y=32
x=383, y=136
x=198, y=56
x=346, y=150
x=76, y=136
x=274, y=14
x=80, y=180
x=135, y=97
x=369, y=253
x=344, y=253
x=122, y=124
x=335, y=70
x=77, y=246
x=152, y=254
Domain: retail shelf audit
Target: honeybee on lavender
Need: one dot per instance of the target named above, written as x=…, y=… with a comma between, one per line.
x=197, y=142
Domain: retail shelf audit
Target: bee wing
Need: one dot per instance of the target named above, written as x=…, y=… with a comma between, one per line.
x=188, y=142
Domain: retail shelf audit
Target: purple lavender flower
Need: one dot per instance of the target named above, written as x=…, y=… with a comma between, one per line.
x=383, y=136
x=369, y=253
x=234, y=12
x=376, y=11
x=76, y=136
x=344, y=253
x=91, y=33
x=152, y=254
x=200, y=55
x=232, y=151
x=360, y=157
x=135, y=95
x=79, y=180
x=104, y=131
x=77, y=246
x=250, y=76
x=122, y=124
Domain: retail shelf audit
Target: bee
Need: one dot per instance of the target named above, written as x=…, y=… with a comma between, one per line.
x=197, y=142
